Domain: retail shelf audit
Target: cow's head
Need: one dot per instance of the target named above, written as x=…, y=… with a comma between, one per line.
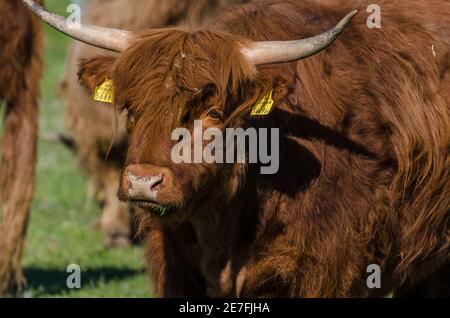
x=167, y=79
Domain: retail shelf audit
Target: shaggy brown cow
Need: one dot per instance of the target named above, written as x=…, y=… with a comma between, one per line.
x=20, y=71
x=364, y=140
x=93, y=125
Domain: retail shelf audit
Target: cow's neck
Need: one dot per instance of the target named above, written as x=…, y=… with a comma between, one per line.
x=224, y=234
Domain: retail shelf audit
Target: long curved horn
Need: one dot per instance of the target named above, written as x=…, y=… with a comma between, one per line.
x=269, y=52
x=105, y=38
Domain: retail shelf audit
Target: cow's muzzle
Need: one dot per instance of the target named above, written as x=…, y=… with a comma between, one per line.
x=142, y=186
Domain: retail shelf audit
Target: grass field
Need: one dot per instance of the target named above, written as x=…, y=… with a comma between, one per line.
x=61, y=231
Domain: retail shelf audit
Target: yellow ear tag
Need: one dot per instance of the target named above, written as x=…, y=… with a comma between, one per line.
x=105, y=92
x=264, y=106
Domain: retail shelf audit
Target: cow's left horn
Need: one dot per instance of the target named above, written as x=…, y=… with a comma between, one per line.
x=268, y=52
x=105, y=38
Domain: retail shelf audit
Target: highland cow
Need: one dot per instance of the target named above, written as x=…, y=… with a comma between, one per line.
x=364, y=140
x=99, y=138
x=20, y=72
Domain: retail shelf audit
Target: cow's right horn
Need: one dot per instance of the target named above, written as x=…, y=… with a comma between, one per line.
x=105, y=38
x=269, y=52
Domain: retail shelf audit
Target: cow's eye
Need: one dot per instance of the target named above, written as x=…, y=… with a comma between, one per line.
x=214, y=114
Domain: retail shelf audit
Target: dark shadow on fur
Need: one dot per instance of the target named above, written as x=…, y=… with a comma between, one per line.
x=309, y=129
x=309, y=166
x=436, y=285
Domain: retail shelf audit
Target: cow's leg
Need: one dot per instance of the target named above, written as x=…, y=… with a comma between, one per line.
x=17, y=175
x=115, y=220
x=173, y=260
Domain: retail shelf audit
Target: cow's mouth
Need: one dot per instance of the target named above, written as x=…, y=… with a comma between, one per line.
x=155, y=207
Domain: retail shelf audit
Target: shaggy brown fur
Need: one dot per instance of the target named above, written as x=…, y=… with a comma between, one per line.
x=20, y=72
x=364, y=172
x=92, y=124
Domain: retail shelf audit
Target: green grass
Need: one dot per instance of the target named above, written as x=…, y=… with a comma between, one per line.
x=60, y=231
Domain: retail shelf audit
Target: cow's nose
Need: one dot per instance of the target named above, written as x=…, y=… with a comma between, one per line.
x=144, y=187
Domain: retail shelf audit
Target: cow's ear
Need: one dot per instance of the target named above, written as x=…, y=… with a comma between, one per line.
x=93, y=72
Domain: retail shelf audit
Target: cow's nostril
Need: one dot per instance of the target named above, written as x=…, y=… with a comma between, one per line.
x=156, y=182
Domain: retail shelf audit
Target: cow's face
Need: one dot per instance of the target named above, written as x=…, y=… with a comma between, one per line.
x=164, y=82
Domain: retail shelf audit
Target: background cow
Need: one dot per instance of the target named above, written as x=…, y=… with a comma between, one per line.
x=99, y=138
x=20, y=72
x=364, y=126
